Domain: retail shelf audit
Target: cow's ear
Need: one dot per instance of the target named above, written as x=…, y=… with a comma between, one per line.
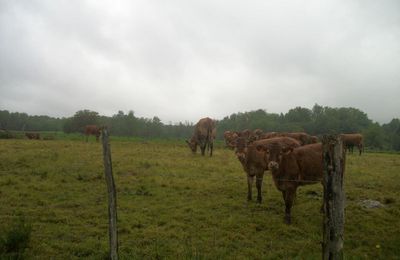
x=289, y=150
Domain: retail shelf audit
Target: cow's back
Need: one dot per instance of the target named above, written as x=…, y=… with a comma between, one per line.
x=204, y=128
x=284, y=142
x=352, y=139
x=309, y=160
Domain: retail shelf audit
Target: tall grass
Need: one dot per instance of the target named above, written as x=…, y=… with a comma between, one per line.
x=173, y=204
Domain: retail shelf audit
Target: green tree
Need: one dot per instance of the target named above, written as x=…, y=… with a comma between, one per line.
x=392, y=133
x=374, y=136
x=81, y=118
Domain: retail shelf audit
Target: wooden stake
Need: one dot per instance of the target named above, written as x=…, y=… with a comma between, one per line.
x=112, y=197
x=334, y=158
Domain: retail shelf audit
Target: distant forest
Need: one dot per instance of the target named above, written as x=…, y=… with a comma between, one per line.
x=316, y=121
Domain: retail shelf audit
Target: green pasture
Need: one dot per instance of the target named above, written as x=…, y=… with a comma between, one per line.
x=176, y=205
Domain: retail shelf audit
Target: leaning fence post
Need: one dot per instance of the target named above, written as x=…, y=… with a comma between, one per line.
x=112, y=196
x=334, y=161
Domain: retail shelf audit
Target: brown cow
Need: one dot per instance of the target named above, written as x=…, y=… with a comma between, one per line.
x=302, y=137
x=269, y=135
x=92, y=130
x=314, y=139
x=300, y=166
x=255, y=135
x=254, y=161
x=351, y=140
x=204, y=135
x=249, y=135
x=230, y=139
x=31, y=135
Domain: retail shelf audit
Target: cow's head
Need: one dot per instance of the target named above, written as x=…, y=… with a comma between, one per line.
x=98, y=130
x=192, y=145
x=314, y=139
x=241, y=149
x=274, y=154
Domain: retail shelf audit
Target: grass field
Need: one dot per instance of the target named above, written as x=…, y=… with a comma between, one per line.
x=172, y=204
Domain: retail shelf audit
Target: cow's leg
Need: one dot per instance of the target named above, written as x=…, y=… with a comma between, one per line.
x=259, y=181
x=249, y=186
x=360, y=147
x=203, y=149
x=288, y=196
x=211, y=148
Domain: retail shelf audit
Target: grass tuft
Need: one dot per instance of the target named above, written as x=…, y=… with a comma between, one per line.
x=15, y=240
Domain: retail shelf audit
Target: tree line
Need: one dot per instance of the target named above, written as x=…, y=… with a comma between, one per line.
x=316, y=121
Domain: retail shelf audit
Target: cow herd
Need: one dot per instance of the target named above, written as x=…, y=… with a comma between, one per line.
x=294, y=159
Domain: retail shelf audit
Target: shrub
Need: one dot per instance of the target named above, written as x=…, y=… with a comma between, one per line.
x=4, y=134
x=15, y=240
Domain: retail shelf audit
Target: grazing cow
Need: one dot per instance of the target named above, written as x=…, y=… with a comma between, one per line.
x=351, y=140
x=230, y=139
x=31, y=135
x=300, y=166
x=254, y=159
x=204, y=135
x=92, y=130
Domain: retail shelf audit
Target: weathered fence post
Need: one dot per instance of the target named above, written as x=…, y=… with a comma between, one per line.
x=334, y=161
x=112, y=196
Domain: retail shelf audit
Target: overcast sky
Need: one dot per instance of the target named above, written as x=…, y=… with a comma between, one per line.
x=183, y=60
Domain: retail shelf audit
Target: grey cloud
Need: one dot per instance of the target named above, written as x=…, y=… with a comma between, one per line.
x=184, y=60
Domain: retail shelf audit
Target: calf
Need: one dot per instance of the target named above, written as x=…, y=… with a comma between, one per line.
x=297, y=167
x=254, y=159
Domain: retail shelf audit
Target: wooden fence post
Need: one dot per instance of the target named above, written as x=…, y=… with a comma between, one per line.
x=112, y=196
x=334, y=161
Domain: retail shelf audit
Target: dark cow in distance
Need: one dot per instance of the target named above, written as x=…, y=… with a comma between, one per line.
x=204, y=135
x=351, y=140
x=92, y=130
x=300, y=166
x=254, y=159
x=31, y=135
